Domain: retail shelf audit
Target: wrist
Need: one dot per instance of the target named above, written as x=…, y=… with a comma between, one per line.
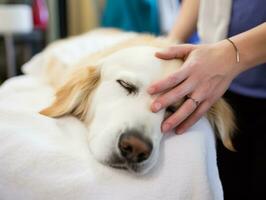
x=229, y=56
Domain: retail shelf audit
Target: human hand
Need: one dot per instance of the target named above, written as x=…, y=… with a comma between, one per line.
x=204, y=77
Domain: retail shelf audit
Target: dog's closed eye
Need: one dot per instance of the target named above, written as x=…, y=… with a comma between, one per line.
x=131, y=89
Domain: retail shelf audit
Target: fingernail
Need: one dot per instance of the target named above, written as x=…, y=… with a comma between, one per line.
x=166, y=127
x=151, y=90
x=157, y=106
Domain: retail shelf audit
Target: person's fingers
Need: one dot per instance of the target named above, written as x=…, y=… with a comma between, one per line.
x=207, y=94
x=179, y=116
x=193, y=100
x=169, y=82
x=172, y=96
x=178, y=51
x=200, y=96
x=193, y=118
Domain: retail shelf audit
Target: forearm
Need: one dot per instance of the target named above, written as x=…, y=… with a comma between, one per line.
x=251, y=46
x=186, y=21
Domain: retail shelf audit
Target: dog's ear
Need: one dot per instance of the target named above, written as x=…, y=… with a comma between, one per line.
x=222, y=120
x=74, y=96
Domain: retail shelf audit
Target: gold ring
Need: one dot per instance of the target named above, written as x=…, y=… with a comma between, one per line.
x=196, y=102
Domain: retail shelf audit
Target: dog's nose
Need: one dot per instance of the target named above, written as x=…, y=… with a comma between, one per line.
x=134, y=148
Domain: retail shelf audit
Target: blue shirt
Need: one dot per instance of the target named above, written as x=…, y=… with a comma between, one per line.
x=245, y=15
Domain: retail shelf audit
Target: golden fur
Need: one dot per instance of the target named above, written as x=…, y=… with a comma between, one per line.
x=73, y=97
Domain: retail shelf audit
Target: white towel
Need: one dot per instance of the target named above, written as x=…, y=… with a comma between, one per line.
x=43, y=158
x=214, y=19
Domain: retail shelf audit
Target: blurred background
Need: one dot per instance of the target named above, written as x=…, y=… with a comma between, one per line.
x=27, y=26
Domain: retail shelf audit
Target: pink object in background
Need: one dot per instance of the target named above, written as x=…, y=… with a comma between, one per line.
x=40, y=14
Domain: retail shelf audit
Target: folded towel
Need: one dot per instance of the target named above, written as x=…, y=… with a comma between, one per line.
x=43, y=158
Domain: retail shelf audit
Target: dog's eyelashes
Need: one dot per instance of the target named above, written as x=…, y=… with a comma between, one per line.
x=131, y=89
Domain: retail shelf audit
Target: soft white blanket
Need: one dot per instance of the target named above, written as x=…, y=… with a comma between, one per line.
x=44, y=159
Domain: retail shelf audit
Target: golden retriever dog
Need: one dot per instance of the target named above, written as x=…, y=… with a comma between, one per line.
x=107, y=90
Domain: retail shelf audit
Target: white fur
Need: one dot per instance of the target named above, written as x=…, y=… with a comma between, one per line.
x=44, y=158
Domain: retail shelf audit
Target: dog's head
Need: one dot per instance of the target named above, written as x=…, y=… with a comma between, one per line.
x=112, y=100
